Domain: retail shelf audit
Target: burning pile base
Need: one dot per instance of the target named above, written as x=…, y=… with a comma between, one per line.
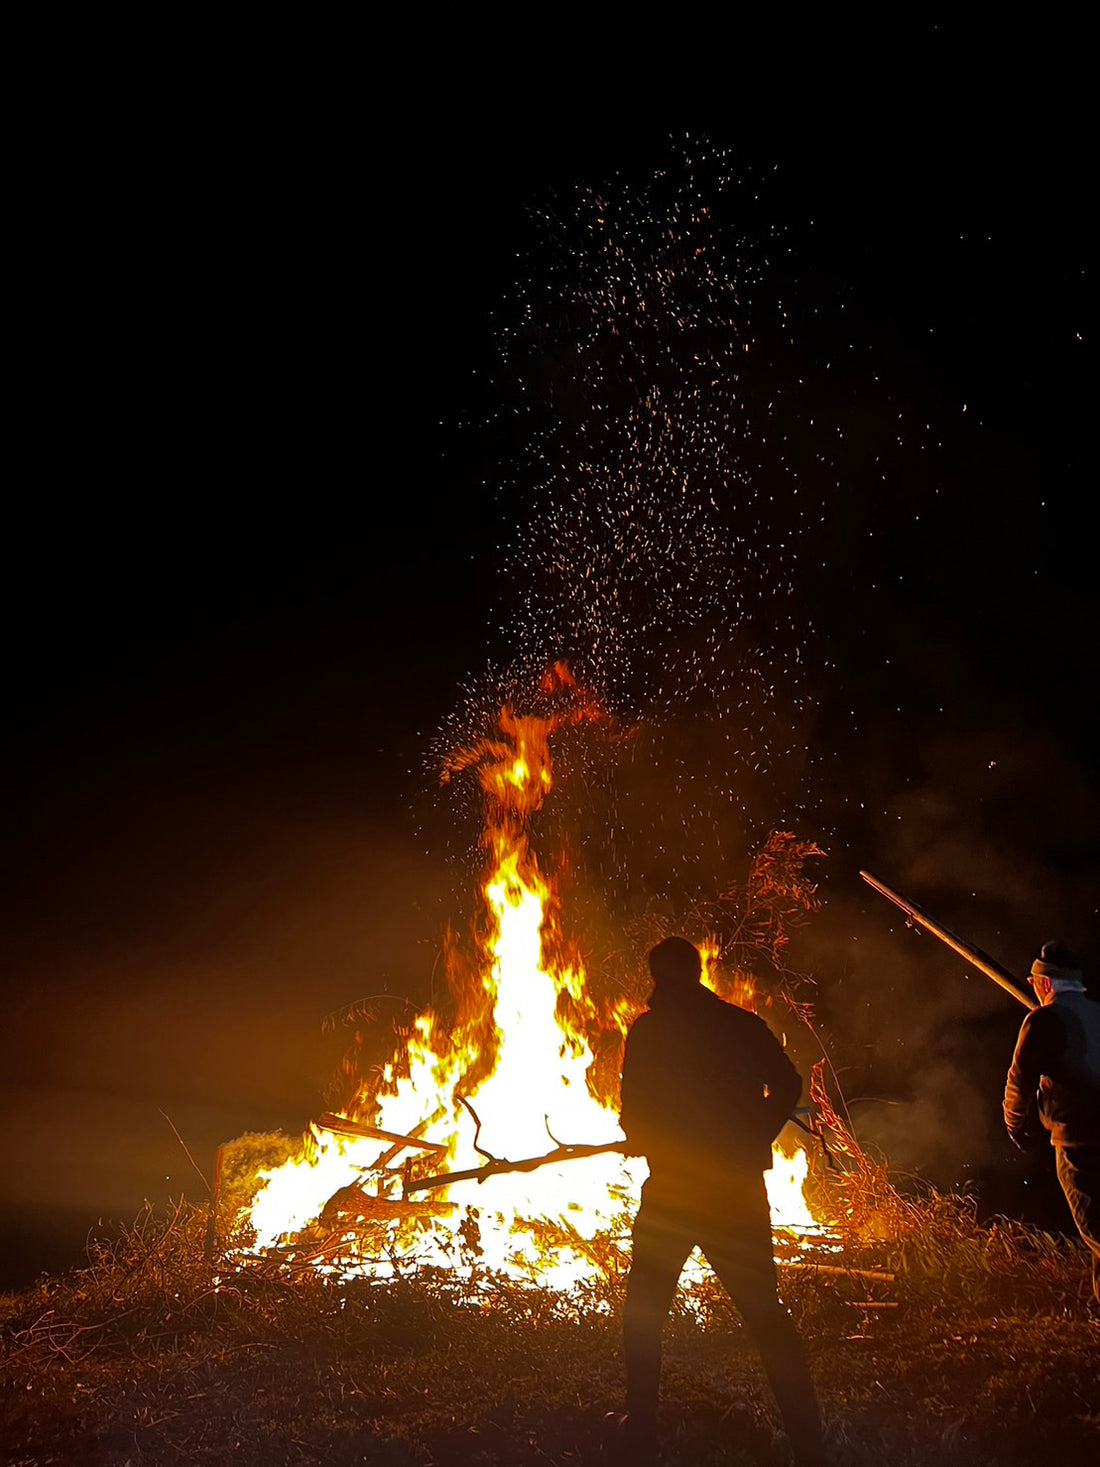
x=393, y=1219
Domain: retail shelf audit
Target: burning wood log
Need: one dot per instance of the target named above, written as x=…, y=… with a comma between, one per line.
x=973, y=955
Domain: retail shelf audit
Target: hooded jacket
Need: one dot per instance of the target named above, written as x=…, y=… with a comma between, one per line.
x=705, y=1084
x=1055, y=1073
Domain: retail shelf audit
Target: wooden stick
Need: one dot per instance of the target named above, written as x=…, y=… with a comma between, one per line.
x=857, y=1273
x=210, y=1247
x=343, y=1126
x=968, y=950
x=188, y=1155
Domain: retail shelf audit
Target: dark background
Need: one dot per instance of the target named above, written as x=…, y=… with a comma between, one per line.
x=250, y=559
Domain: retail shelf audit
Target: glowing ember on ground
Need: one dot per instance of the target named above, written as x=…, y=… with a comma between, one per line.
x=519, y=1050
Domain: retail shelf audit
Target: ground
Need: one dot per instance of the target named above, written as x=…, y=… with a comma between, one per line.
x=954, y=1344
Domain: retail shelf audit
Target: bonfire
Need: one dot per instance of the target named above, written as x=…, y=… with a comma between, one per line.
x=490, y=1141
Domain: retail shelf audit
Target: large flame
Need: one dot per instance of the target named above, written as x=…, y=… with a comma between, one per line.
x=518, y=1052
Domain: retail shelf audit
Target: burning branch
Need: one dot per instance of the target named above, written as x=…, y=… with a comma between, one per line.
x=343, y=1126
x=496, y=1166
x=477, y=1128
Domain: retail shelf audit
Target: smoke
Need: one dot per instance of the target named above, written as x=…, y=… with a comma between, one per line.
x=991, y=830
x=1012, y=815
x=939, y=1128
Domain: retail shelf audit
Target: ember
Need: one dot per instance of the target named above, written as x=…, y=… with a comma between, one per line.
x=504, y=1093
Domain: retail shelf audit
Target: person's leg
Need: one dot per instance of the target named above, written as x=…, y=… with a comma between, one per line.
x=741, y=1255
x=1079, y=1174
x=658, y=1251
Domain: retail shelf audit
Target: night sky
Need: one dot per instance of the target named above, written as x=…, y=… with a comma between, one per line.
x=256, y=527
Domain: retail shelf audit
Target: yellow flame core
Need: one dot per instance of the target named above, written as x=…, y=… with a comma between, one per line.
x=535, y=1097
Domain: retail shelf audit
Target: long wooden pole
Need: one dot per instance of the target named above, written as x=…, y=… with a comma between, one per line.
x=973, y=955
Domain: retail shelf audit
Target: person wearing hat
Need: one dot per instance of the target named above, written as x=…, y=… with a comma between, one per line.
x=706, y=1089
x=1054, y=1083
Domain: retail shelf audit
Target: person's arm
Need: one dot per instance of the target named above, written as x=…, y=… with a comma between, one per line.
x=784, y=1085
x=637, y=1091
x=1029, y=1062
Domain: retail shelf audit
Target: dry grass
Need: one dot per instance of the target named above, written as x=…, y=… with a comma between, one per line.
x=984, y=1355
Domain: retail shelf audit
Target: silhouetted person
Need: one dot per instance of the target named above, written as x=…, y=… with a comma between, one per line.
x=1055, y=1080
x=706, y=1089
